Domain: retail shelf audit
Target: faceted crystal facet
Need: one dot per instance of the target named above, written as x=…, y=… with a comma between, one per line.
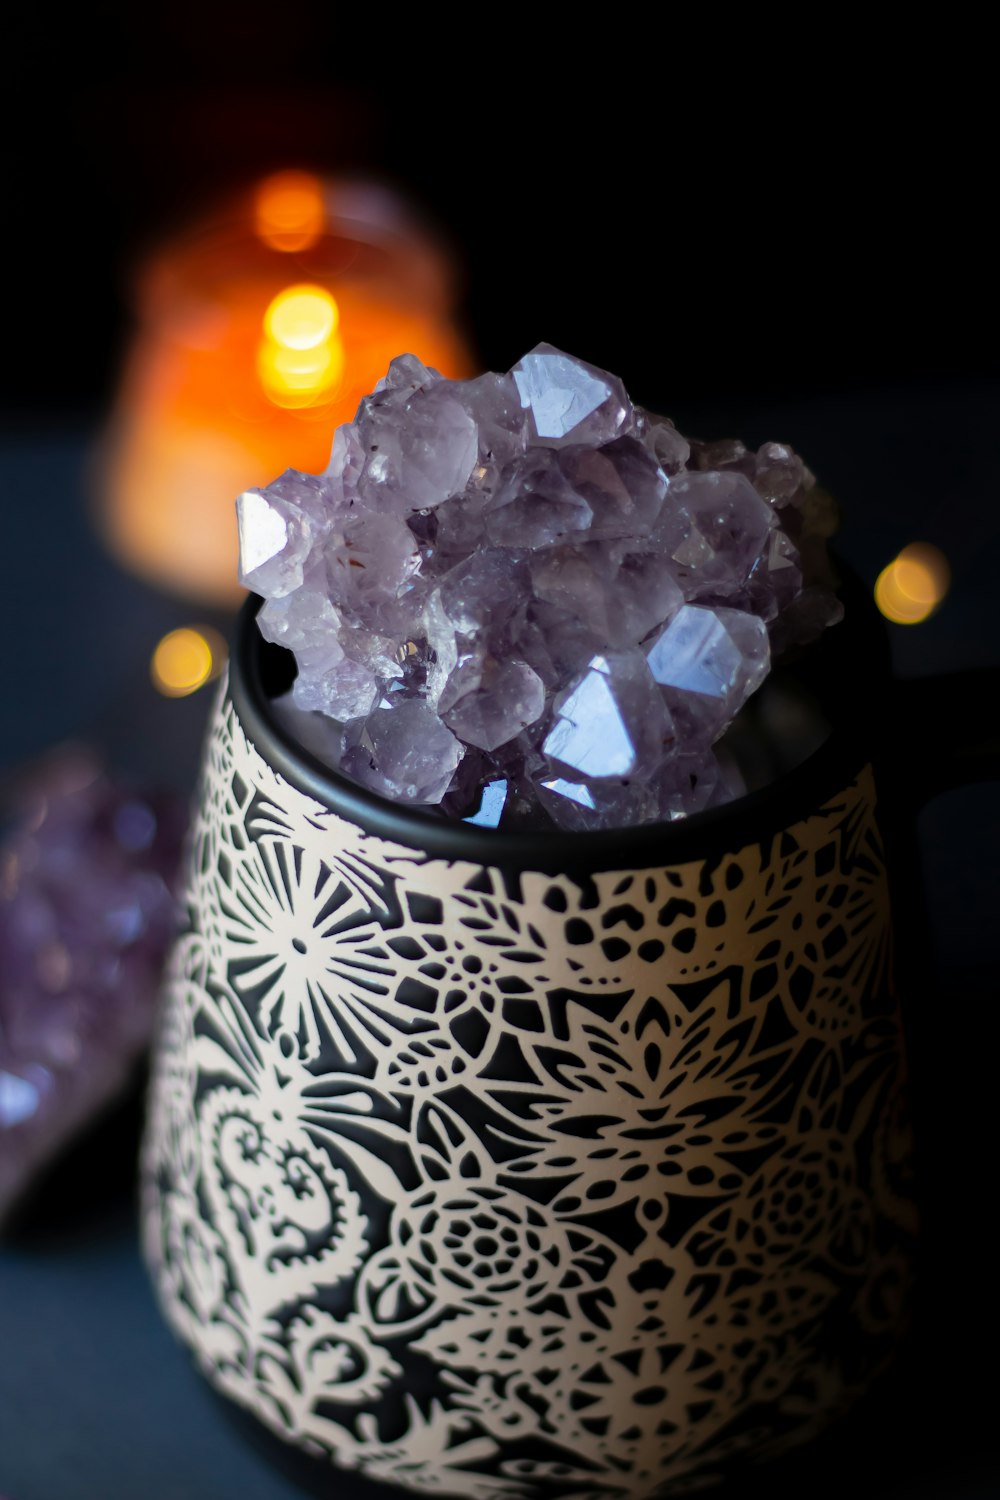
x=579, y=806
x=493, y=402
x=492, y=801
x=569, y=401
x=670, y=449
x=277, y=528
x=574, y=580
x=418, y=452
x=778, y=473
x=404, y=752
x=623, y=485
x=501, y=700
x=347, y=690
x=307, y=623
x=708, y=662
x=482, y=591
x=612, y=722
x=526, y=601
x=369, y=561
x=538, y=506
x=715, y=529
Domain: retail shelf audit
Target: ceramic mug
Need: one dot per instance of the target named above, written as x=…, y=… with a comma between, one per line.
x=502, y=1165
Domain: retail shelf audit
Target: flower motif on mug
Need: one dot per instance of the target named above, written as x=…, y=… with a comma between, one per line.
x=298, y=935
x=460, y=1244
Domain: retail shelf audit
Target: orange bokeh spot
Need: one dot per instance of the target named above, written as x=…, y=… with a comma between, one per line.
x=911, y=588
x=300, y=359
x=300, y=377
x=922, y=573
x=301, y=317
x=185, y=659
x=288, y=210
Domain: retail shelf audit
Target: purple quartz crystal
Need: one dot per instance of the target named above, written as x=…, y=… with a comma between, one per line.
x=526, y=601
x=568, y=401
x=86, y=912
x=491, y=701
x=612, y=723
x=403, y=751
x=715, y=530
x=539, y=504
x=707, y=663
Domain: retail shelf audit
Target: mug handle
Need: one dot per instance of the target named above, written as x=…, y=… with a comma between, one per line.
x=954, y=719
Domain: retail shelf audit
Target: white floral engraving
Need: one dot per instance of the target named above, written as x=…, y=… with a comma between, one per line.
x=551, y=1189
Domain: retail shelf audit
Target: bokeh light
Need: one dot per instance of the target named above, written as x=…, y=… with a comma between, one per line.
x=185, y=659
x=300, y=377
x=300, y=359
x=289, y=213
x=913, y=585
x=301, y=317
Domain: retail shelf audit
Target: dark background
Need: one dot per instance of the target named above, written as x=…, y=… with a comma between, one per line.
x=711, y=205
x=778, y=231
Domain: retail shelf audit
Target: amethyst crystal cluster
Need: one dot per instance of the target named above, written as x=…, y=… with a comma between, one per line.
x=86, y=913
x=529, y=602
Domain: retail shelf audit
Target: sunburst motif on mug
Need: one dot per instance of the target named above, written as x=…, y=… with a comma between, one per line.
x=300, y=936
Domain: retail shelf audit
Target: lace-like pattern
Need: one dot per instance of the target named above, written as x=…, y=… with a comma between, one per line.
x=573, y=1190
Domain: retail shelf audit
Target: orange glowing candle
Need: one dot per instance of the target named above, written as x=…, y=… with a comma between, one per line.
x=259, y=335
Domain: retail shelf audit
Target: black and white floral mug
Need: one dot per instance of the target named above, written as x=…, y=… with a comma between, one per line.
x=503, y=1166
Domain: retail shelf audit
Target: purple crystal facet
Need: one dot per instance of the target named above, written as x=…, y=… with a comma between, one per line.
x=404, y=752
x=538, y=505
x=277, y=529
x=708, y=662
x=714, y=530
x=420, y=446
x=612, y=723
x=569, y=401
x=493, y=702
x=527, y=601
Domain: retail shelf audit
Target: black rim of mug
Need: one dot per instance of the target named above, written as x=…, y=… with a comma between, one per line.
x=845, y=669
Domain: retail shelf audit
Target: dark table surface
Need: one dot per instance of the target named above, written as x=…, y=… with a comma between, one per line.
x=96, y=1400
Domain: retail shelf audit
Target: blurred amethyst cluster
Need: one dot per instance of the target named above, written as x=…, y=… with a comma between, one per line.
x=86, y=913
x=528, y=601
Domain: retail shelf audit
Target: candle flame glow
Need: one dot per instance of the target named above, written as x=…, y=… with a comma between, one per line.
x=301, y=317
x=185, y=659
x=912, y=587
x=288, y=210
x=300, y=360
x=300, y=377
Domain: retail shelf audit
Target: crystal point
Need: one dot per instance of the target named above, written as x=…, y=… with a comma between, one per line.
x=568, y=400
x=612, y=722
x=404, y=752
x=277, y=528
x=708, y=662
x=715, y=529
